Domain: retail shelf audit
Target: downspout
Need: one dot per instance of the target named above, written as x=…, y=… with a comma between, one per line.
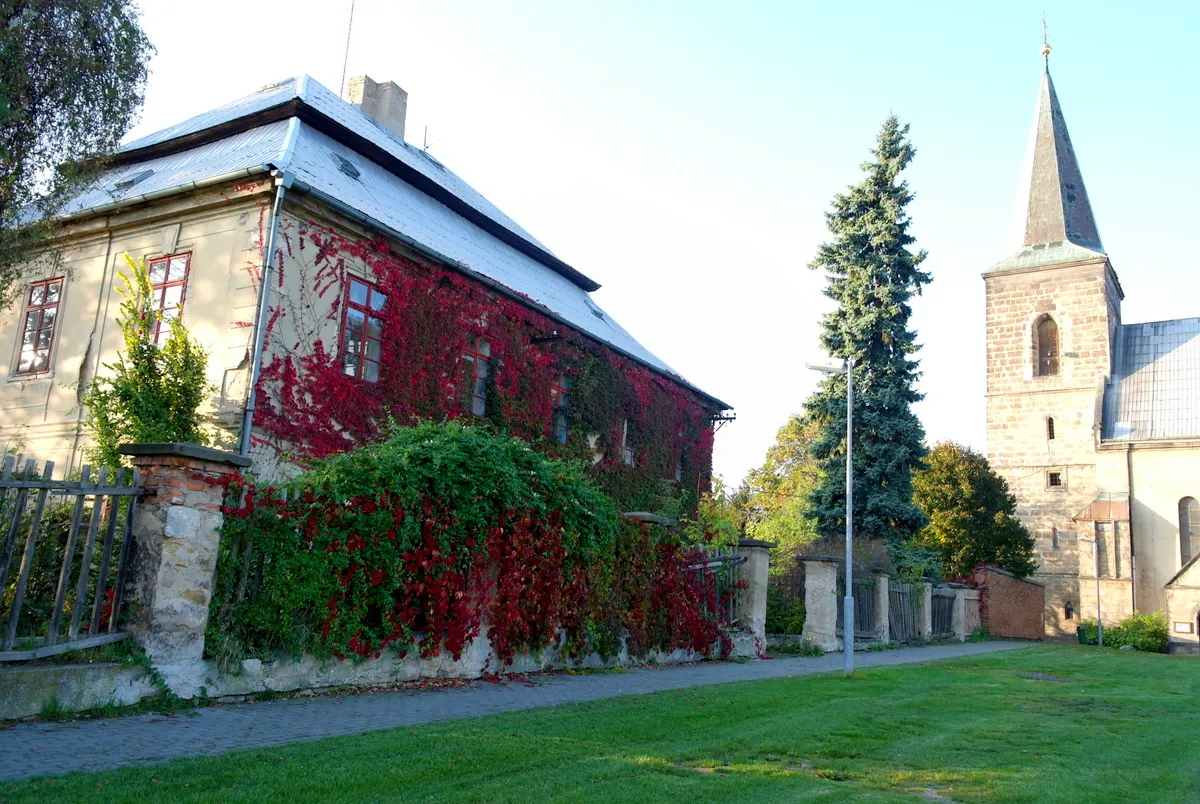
x=262, y=314
x=1132, y=552
x=95, y=338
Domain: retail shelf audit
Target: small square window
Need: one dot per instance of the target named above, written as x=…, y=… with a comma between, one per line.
x=1054, y=480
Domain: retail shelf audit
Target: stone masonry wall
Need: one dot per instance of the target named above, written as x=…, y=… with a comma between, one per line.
x=1010, y=607
x=1084, y=301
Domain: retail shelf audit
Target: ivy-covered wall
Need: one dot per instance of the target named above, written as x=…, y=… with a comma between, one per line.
x=431, y=317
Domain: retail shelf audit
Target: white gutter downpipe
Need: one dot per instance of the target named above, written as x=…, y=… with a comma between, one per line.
x=262, y=316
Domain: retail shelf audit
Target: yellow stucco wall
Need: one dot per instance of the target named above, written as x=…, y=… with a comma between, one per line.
x=40, y=415
x=1162, y=475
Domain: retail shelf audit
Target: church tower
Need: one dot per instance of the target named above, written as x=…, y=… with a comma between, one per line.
x=1053, y=309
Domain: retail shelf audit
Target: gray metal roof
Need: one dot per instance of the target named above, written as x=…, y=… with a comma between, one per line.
x=389, y=202
x=1058, y=224
x=327, y=102
x=1155, y=388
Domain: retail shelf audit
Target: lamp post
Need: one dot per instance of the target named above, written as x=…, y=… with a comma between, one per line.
x=1096, y=554
x=847, y=368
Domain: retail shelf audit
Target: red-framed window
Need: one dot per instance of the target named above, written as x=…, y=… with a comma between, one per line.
x=477, y=359
x=41, y=321
x=558, y=427
x=361, y=347
x=168, y=284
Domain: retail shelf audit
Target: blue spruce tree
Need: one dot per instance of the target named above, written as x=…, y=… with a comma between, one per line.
x=872, y=275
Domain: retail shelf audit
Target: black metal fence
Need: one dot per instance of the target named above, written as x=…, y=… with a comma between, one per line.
x=719, y=568
x=64, y=549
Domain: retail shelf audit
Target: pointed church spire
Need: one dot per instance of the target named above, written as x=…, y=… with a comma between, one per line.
x=1057, y=207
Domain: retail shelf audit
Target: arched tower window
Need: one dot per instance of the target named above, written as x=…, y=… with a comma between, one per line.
x=1049, y=428
x=1045, y=347
x=1189, y=528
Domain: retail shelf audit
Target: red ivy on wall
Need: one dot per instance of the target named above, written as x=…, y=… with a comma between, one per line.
x=315, y=409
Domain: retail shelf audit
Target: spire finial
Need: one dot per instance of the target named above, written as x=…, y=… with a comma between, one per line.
x=1045, y=43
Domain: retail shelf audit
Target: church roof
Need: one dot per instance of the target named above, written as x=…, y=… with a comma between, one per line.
x=1053, y=221
x=1154, y=393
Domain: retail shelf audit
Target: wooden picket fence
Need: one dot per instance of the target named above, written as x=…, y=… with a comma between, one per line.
x=89, y=522
x=943, y=613
x=902, y=613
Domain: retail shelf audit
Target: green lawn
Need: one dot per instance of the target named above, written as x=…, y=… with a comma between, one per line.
x=1047, y=724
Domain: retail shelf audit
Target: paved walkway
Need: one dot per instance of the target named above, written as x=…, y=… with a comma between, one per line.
x=32, y=749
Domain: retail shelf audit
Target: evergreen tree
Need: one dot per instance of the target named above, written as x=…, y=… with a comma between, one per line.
x=971, y=514
x=872, y=275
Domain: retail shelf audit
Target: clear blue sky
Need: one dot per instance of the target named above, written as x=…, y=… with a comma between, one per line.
x=683, y=154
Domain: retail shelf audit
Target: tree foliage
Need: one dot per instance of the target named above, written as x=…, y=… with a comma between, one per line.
x=774, y=496
x=872, y=275
x=72, y=75
x=151, y=393
x=971, y=513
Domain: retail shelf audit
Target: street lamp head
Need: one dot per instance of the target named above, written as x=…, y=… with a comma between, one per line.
x=826, y=368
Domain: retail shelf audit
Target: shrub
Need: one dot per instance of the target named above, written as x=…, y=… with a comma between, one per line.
x=1146, y=632
x=784, y=616
x=414, y=541
x=152, y=393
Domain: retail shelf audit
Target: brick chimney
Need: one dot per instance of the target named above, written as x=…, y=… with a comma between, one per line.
x=385, y=103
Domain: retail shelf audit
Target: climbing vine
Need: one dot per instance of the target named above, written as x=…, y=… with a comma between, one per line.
x=644, y=438
x=413, y=542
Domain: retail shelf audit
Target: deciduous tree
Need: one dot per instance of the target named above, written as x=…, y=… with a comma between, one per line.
x=774, y=496
x=72, y=75
x=971, y=513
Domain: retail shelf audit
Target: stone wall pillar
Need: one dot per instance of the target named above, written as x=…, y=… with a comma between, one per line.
x=958, y=617
x=821, y=601
x=754, y=571
x=923, y=603
x=176, y=534
x=883, y=601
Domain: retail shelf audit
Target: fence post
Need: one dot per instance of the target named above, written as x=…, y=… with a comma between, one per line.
x=755, y=572
x=176, y=532
x=821, y=601
x=883, y=602
x=923, y=594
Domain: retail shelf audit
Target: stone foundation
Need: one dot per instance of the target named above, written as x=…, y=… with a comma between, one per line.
x=26, y=691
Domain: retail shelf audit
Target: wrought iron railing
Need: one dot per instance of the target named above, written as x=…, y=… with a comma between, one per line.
x=64, y=551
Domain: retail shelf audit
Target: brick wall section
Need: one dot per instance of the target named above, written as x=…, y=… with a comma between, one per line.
x=176, y=480
x=1010, y=607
